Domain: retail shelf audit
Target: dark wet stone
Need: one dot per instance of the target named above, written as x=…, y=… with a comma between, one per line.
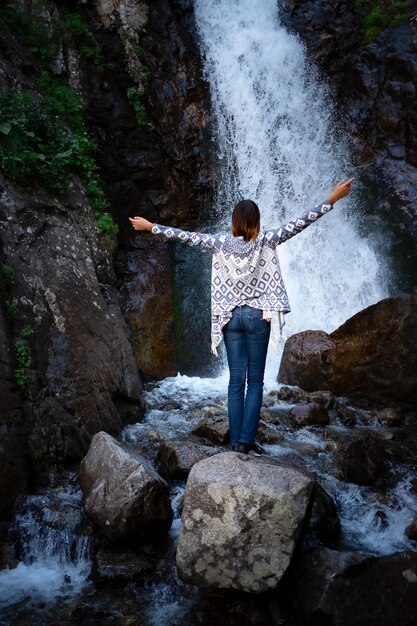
x=124, y=495
x=176, y=458
x=363, y=459
x=372, y=356
x=343, y=588
x=346, y=414
x=312, y=414
x=213, y=428
x=411, y=530
x=121, y=566
x=268, y=435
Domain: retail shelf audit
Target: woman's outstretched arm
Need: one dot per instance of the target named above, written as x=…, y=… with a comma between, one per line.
x=204, y=241
x=277, y=236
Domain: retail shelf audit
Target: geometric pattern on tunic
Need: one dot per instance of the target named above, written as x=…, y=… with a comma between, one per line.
x=244, y=272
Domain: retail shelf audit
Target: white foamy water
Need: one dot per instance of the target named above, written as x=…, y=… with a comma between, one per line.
x=56, y=560
x=278, y=145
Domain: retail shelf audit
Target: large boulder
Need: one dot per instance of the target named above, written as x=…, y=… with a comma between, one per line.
x=241, y=519
x=372, y=356
x=344, y=588
x=124, y=495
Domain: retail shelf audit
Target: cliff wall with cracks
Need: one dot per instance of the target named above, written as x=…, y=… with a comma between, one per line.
x=370, y=62
x=69, y=363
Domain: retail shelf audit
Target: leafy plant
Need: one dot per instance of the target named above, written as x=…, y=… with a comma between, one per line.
x=139, y=53
x=11, y=307
x=85, y=41
x=31, y=33
x=23, y=362
x=43, y=139
x=380, y=14
x=8, y=276
x=134, y=95
x=26, y=332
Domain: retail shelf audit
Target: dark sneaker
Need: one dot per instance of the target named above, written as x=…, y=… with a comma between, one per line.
x=246, y=448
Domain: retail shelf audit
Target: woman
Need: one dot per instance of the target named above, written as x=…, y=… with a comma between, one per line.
x=247, y=292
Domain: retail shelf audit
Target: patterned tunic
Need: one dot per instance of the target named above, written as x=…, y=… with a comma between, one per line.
x=244, y=272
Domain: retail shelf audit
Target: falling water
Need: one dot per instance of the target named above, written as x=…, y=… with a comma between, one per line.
x=279, y=145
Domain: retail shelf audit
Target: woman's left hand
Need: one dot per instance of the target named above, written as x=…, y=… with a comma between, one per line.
x=139, y=223
x=342, y=189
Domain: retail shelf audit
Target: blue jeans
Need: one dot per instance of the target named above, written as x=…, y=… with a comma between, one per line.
x=246, y=337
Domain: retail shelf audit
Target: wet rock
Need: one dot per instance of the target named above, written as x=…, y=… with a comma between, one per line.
x=305, y=449
x=390, y=416
x=378, y=89
x=213, y=428
x=266, y=434
x=124, y=495
x=326, y=398
x=241, y=519
x=291, y=394
x=121, y=566
x=146, y=298
x=312, y=414
x=176, y=458
x=372, y=356
x=277, y=415
x=363, y=459
x=346, y=414
x=325, y=518
x=15, y=465
x=411, y=530
x=344, y=588
x=82, y=377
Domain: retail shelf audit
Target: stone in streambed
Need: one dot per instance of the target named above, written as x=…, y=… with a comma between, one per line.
x=113, y=566
x=348, y=588
x=124, y=495
x=311, y=414
x=268, y=435
x=241, y=519
x=363, y=459
x=176, y=458
x=390, y=416
x=371, y=357
x=214, y=428
x=411, y=530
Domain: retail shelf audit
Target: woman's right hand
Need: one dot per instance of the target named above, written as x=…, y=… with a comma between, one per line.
x=342, y=189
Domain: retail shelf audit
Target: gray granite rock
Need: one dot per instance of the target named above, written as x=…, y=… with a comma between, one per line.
x=124, y=495
x=241, y=519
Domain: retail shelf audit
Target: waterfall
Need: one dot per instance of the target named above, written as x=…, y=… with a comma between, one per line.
x=278, y=144
x=54, y=549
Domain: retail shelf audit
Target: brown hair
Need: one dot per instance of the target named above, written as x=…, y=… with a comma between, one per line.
x=246, y=220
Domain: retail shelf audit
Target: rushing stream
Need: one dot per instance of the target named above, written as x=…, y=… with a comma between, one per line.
x=278, y=144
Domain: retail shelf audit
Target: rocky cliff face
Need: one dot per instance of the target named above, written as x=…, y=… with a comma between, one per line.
x=375, y=83
x=69, y=363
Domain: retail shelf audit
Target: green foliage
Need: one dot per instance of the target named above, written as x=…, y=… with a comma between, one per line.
x=11, y=307
x=379, y=15
x=73, y=22
x=134, y=95
x=105, y=224
x=26, y=332
x=31, y=33
x=139, y=53
x=8, y=276
x=43, y=139
x=23, y=362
